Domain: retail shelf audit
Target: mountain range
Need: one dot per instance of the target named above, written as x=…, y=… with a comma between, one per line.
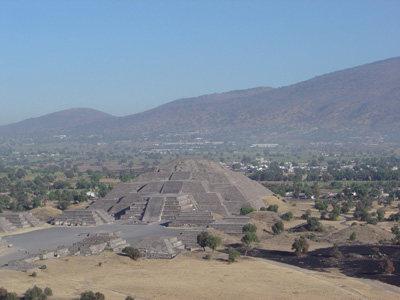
x=357, y=102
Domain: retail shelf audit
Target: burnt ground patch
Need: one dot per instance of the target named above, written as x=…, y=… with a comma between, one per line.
x=360, y=261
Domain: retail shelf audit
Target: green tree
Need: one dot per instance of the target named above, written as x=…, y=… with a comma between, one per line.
x=353, y=236
x=213, y=242
x=246, y=210
x=132, y=253
x=380, y=214
x=249, y=227
x=273, y=207
x=233, y=255
x=249, y=238
x=313, y=224
x=35, y=293
x=335, y=213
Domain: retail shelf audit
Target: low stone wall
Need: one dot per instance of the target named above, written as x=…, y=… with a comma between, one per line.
x=94, y=243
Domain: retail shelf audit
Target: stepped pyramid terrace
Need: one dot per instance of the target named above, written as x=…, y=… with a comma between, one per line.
x=186, y=193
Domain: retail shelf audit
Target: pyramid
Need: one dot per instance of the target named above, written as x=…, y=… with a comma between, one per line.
x=184, y=188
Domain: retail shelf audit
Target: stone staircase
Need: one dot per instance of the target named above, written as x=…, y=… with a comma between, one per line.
x=116, y=245
x=189, y=237
x=105, y=217
x=33, y=221
x=134, y=211
x=194, y=218
x=171, y=209
x=82, y=217
x=20, y=220
x=231, y=225
x=6, y=226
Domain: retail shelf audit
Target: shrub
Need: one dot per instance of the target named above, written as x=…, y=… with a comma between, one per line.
x=246, y=210
x=34, y=293
x=273, y=208
x=207, y=257
x=133, y=253
x=353, y=236
x=5, y=295
x=287, y=216
x=395, y=230
x=387, y=266
x=48, y=291
x=263, y=208
x=233, y=255
x=34, y=274
x=311, y=236
x=395, y=217
x=249, y=227
x=335, y=252
x=300, y=246
x=278, y=227
x=89, y=295
x=129, y=298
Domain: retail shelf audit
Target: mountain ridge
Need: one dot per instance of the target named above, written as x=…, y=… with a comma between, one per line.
x=350, y=102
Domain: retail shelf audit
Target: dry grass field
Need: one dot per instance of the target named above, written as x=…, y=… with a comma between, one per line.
x=189, y=276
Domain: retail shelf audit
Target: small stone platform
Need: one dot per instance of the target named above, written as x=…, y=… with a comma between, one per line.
x=83, y=217
x=12, y=221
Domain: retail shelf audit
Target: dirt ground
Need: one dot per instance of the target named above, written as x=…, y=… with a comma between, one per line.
x=189, y=276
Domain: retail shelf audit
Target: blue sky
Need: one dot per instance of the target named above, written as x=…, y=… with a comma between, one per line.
x=123, y=56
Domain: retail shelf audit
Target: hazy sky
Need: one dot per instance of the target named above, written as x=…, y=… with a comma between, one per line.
x=125, y=56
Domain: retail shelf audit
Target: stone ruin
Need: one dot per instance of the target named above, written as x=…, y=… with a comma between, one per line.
x=159, y=247
x=83, y=217
x=93, y=243
x=184, y=192
x=13, y=221
x=96, y=243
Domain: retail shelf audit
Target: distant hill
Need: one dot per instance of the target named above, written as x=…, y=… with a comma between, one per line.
x=61, y=122
x=355, y=102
